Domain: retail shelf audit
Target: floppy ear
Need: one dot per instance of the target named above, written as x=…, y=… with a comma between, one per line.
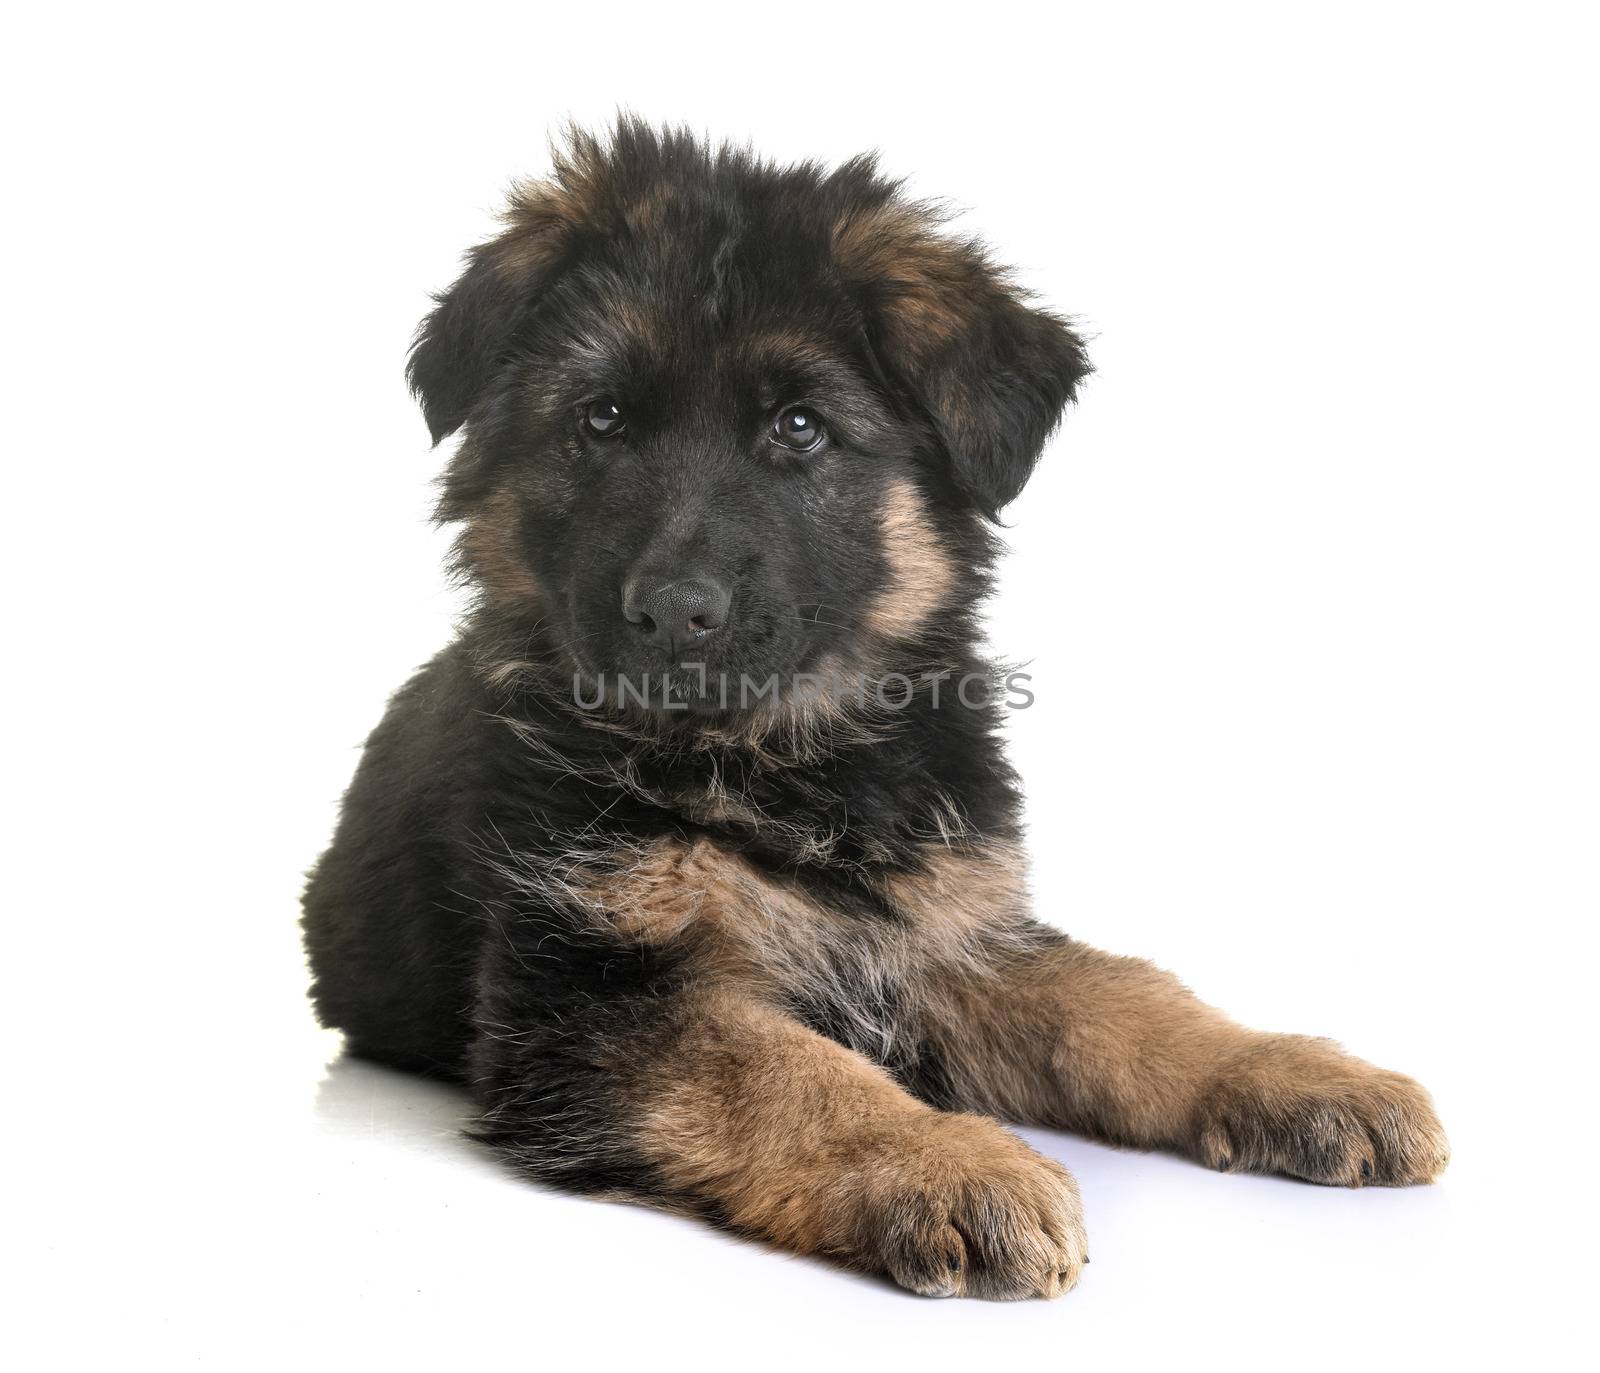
x=472, y=333
x=992, y=373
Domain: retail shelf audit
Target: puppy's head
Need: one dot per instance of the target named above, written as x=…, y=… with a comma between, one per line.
x=726, y=420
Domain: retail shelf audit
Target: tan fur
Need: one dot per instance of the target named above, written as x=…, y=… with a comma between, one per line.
x=1077, y=1037
x=671, y=888
x=746, y=928
x=648, y=212
x=769, y=931
x=1276, y=1093
x=800, y=1140
x=959, y=898
x=925, y=275
x=541, y=217
x=1118, y=1048
x=928, y=285
x=488, y=546
x=808, y=1145
x=789, y=345
x=921, y=573
x=1029, y=1027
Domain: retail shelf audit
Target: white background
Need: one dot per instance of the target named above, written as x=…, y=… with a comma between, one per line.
x=1307, y=583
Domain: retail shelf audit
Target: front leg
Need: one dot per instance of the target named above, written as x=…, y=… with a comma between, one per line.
x=636, y=1082
x=1067, y=1036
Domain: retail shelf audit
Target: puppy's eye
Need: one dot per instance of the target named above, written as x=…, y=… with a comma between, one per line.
x=798, y=428
x=603, y=417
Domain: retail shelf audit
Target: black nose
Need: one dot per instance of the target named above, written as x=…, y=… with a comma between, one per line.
x=676, y=615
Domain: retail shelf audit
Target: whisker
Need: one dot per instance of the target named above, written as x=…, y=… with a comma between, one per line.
x=816, y=613
x=817, y=620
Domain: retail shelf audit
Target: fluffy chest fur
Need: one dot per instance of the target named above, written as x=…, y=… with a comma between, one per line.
x=772, y=872
x=853, y=960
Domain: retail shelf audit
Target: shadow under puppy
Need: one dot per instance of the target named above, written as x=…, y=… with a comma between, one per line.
x=770, y=959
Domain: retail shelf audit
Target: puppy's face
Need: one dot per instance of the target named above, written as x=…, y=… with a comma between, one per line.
x=727, y=424
x=697, y=487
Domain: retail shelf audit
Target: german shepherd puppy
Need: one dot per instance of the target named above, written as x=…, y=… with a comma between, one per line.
x=695, y=930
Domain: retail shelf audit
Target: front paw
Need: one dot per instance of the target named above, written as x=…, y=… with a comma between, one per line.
x=1304, y=1107
x=969, y=1210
